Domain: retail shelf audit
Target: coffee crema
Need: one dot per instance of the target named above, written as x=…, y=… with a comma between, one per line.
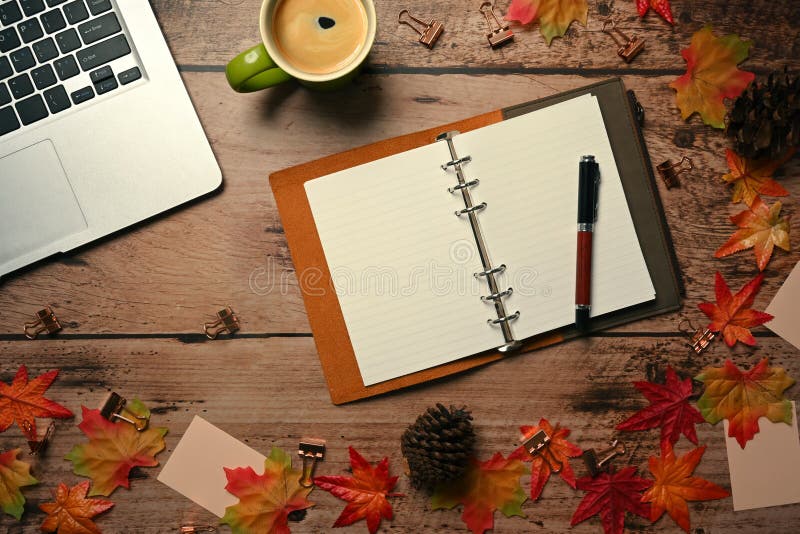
x=320, y=36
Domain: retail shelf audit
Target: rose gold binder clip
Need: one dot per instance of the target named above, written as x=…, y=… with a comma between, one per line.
x=595, y=465
x=226, y=322
x=669, y=172
x=629, y=47
x=194, y=529
x=38, y=443
x=46, y=321
x=699, y=338
x=431, y=32
x=499, y=33
x=539, y=445
x=113, y=408
x=311, y=450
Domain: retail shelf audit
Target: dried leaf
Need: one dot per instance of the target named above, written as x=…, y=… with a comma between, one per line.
x=265, y=501
x=554, y=16
x=742, y=398
x=750, y=178
x=485, y=487
x=674, y=485
x=366, y=492
x=611, y=495
x=732, y=315
x=72, y=512
x=669, y=410
x=560, y=450
x=14, y=474
x=661, y=7
x=711, y=75
x=114, y=449
x=761, y=228
x=23, y=401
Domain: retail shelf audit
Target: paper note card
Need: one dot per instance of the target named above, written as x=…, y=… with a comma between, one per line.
x=767, y=471
x=195, y=468
x=786, y=307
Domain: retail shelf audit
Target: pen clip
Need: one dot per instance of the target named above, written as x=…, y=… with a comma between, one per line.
x=596, y=192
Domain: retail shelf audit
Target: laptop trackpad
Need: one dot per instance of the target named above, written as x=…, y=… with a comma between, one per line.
x=37, y=204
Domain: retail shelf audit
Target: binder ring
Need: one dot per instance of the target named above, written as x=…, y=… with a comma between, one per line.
x=506, y=319
x=470, y=209
x=459, y=161
x=498, y=295
x=493, y=270
x=463, y=186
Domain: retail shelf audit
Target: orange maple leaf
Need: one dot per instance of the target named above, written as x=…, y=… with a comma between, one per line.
x=554, y=16
x=732, y=315
x=23, y=401
x=72, y=512
x=750, y=178
x=760, y=228
x=711, y=75
x=674, y=485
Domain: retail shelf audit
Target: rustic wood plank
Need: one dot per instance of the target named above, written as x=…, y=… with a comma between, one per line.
x=271, y=392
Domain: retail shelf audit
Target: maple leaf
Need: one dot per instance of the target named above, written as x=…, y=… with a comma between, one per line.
x=559, y=450
x=485, y=487
x=750, y=178
x=760, y=228
x=674, y=485
x=265, y=501
x=14, y=474
x=554, y=16
x=22, y=401
x=611, y=495
x=661, y=7
x=366, y=492
x=711, y=75
x=742, y=398
x=732, y=315
x=72, y=512
x=114, y=449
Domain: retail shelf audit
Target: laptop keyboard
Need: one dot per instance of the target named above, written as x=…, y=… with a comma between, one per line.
x=58, y=54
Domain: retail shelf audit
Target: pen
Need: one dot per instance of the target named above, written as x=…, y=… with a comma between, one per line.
x=588, y=183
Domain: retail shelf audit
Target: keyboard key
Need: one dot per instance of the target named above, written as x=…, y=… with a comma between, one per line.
x=8, y=120
x=10, y=13
x=53, y=21
x=130, y=75
x=53, y=3
x=99, y=6
x=32, y=7
x=101, y=74
x=30, y=30
x=5, y=96
x=23, y=59
x=103, y=52
x=43, y=77
x=82, y=95
x=106, y=86
x=66, y=67
x=99, y=28
x=31, y=109
x=57, y=99
x=20, y=86
x=76, y=12
x=9, y=40
x=45, y=50
x=5, y=68
x=68, y=41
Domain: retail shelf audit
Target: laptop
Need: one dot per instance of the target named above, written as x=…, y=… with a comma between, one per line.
x=97, y=131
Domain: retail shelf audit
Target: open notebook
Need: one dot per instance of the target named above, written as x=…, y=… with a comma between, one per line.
x=402, y=262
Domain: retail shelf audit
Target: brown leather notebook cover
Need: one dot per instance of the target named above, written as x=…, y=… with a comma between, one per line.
x=322, y=305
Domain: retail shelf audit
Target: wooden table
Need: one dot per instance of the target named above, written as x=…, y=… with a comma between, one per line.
x=133, y=305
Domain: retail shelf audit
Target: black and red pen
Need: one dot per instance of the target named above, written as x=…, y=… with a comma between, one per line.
x=588, y=185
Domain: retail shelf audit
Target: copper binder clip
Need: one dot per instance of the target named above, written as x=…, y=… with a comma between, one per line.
x=629, y=47
x=669, y=172
x=311, y=450
x=37, y=444
x=539, y=445
x=595, y=465
x=46, y=321
x=432, y=29
x=699, y=338
x=113, y=407
x=194, y=529
x=499, y=33
x=227, y=322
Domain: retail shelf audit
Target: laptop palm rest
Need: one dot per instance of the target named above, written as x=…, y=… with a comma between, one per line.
x=37, y=204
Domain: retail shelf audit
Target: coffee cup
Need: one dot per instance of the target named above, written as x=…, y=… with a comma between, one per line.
x=320, y=43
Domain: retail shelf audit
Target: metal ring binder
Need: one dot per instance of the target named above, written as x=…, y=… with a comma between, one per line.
x=471, y=209
x=459, y=187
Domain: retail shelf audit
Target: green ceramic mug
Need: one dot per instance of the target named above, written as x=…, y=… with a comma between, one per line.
x=303, y=40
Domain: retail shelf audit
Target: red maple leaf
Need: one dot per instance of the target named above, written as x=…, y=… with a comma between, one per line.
x=559, y=451
x=661, y=7
x=22, y=401
x=611, y=495
x=366, y=492
x=669, y=409
x=732, y=315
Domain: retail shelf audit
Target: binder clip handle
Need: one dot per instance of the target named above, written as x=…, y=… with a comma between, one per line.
x=194, y=529
x=670, y=172
x=538, y=445
x=37, y=444
x=699, y=339
x=596, y=461
x=113, y=407
x=311, y=450
x=227, y=322
x=46, y=321
x=413, y=18
x=629, y=47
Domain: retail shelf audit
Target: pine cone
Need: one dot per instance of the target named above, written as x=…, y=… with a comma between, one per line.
x=438, y=446
x=765, y=120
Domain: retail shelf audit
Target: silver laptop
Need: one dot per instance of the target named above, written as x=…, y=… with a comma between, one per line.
x=96, y=128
